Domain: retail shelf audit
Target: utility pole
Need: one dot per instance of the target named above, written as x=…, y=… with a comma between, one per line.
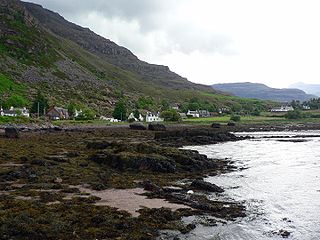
x=38, y=109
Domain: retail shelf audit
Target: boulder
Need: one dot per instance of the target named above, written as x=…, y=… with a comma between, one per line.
x=215, y=125
x=12, y=132
x=231, y=124
x=157, y=127
x=137, y=126
x=206, y=186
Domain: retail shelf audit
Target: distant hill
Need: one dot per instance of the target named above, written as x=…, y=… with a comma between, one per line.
x=308, y=88
x=261, y=91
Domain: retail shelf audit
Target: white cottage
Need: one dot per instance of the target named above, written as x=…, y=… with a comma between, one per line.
x=194, y=114
x=153, y=117
x=283, y=109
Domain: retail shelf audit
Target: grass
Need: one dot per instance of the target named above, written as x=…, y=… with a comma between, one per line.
x=14, y=120
x=11, y=93
x=265, y=118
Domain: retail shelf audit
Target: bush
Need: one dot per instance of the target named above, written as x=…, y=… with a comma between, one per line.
x=87, y=114
x=296, y=114
x=170, y=115
x=235, y=118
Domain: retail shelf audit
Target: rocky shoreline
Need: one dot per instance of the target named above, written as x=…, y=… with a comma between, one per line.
x=61, y=173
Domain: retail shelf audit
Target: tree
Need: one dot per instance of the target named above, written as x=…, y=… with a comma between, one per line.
x=136, y=113
x=71, y=109
x=40, y=103
x=170, y=115
x=87, y=114
x=120, y=110
x=165, y=105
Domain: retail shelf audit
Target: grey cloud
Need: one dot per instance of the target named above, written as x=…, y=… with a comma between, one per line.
x=152, y=16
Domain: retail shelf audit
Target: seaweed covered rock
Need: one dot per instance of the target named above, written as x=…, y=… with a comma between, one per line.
x=156, y=127
x=216, y=125
x=151, y=157
x=231, y=124
x=206, y=186
x=12, y=132
x=195, y=136
x=137, y=126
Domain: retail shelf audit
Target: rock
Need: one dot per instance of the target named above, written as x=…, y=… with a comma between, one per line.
x=137, y=126
x=206, y=186
x=156, y=127
x=231, y=124
x=12, y=132
x=151, y=187
x=284, y=233
x=58, y=180
x=215, y=125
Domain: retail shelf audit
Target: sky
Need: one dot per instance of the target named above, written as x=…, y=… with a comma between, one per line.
x=276, y=42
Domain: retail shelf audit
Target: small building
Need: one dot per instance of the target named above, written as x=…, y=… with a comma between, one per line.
x=153, y=117
x=175, y=106
x=103, y=118
x=132, y=117
x=10, y=112
x=57, y=113
x=194, y=114
x=306, y=107
x=15, y=112
x=22, y=112
x=77, y=113
x=283, y=109
x=204, y=113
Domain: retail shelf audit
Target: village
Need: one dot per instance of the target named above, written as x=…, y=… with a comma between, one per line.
x=55, y=113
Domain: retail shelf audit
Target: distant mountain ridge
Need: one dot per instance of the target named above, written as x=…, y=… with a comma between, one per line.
x=308, y=88
x=262, y=91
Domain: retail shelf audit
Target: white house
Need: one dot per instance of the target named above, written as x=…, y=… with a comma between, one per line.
x=194, y=114
x=282, y=109
x=14, y=112
x=306, y=107
x=132, y=117
x=153, y=117
x=204, y=113
x=175, y=106
x=24, y=112
x=103, y=118
x=77, y=113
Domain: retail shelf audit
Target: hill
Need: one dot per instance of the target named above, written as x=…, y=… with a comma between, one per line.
x=41, y=51
x=261, y=91
x=308, y=88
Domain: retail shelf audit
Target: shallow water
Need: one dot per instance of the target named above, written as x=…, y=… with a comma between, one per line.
x=279, y=184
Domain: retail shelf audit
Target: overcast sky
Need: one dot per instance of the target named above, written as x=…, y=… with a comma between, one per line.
x=276, y=42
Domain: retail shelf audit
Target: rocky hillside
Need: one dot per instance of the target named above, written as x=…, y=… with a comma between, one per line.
x=261, y=91
x=41, y=51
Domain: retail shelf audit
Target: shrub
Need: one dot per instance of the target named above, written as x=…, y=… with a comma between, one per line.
x=170, y=115
x=296, y=114
x=235, y=118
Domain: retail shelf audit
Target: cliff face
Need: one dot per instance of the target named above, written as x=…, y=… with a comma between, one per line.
x=108, y=50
